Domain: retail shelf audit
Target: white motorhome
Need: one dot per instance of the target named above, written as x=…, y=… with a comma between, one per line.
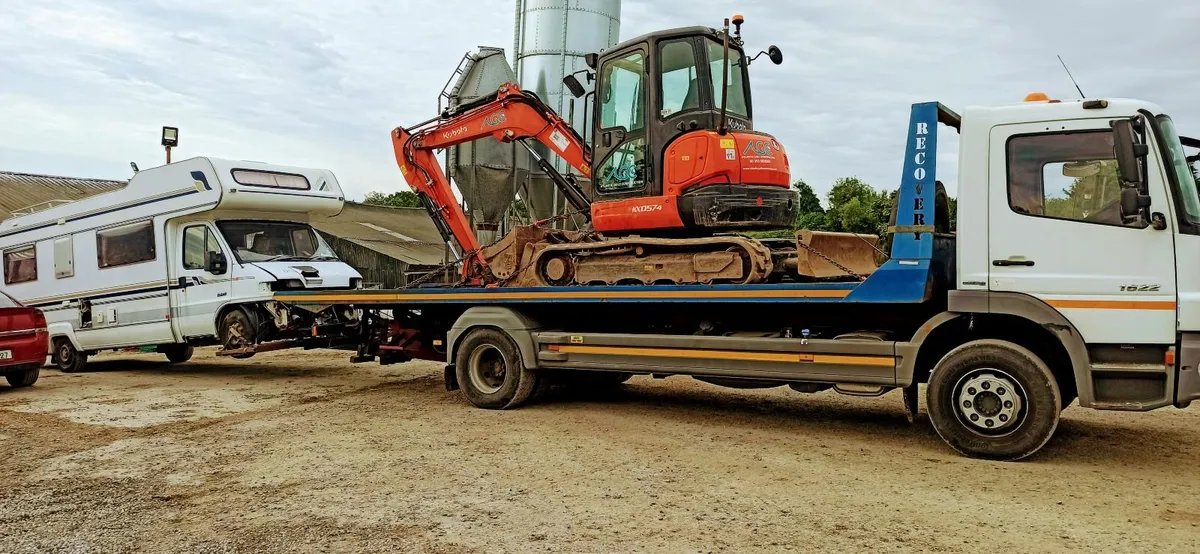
x=186, y=254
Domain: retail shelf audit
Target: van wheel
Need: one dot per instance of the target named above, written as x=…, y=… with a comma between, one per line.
x=19, y=379
x=237, y=332
x=993, y=399
x=67, y=358
x=490, y=371
x=177, y=353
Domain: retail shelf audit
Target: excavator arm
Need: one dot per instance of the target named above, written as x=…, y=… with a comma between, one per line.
x=507, y=116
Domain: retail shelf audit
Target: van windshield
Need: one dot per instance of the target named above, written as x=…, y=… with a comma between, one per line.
x=269, y=241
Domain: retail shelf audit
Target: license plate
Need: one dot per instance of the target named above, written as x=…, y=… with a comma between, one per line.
x=5, y=354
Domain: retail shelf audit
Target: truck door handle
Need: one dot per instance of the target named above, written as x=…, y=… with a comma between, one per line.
x=1007, y=263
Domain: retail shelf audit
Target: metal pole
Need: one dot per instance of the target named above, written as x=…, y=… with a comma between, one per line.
x=168, y=154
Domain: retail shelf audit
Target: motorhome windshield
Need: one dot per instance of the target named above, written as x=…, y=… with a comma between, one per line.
x=1187, y=179
x=268, y=241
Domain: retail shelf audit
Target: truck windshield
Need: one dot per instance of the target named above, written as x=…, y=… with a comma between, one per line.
x=1187, y=180
x=264, y=241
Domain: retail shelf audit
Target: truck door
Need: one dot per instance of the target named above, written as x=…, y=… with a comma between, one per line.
x=199, y=288
x=1056, y=233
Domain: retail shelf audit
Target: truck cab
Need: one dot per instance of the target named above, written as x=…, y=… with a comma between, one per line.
x=1046, y=211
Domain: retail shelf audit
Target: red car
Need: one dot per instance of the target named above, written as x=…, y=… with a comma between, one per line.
x=23, y=342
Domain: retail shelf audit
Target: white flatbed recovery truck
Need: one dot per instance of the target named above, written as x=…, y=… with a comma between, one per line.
x=1071, y=276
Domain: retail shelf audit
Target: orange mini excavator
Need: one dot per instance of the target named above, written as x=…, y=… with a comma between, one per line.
x=675, y=165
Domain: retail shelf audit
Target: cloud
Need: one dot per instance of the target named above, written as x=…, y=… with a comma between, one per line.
x=86, y=84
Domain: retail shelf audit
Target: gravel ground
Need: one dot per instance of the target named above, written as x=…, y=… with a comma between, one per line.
x=303, y=452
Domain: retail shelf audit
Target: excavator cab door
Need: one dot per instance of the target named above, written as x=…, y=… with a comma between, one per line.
x=621, y=144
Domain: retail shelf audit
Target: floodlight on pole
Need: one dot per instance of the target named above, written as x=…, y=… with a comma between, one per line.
x=170, y=138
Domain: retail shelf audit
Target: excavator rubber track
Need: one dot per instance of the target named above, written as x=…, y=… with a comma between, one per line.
x=549, y=257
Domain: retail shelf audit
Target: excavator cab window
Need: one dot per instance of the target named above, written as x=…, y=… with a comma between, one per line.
x=679, y=86
x=621, y=142
x=737, y=104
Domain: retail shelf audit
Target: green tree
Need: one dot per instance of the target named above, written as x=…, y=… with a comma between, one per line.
x=856, y=207
x=399, y=199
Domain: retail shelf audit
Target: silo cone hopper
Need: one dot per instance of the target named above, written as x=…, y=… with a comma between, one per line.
x=487, y=172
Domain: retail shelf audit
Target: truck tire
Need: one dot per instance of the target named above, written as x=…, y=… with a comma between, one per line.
x=993, y=399
x=490, y=371
x=26, y=378
x=236, y=331
x=67, y=358
x=177, y=353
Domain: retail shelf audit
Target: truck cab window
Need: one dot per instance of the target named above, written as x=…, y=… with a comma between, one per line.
x=1070, y=176
x=197, y=241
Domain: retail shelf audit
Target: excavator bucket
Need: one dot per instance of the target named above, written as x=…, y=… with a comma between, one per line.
x=509, y=256
x=820, y=253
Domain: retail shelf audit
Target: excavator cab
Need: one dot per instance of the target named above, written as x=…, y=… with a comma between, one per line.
x=667, y=156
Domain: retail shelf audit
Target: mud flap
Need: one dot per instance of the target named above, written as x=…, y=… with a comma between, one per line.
x=911, y=402
x=450, y=377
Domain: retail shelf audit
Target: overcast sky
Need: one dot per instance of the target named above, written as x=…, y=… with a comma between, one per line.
x=85, y=85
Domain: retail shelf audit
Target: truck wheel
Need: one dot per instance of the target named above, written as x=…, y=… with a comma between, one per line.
x=490, y=371
x=67, y=358
x=27, y=378
x=177, y=353
x=236, y=332
x=993, y=399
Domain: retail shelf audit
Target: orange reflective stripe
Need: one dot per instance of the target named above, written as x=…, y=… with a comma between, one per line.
x=786, y=357
x=1113, y=304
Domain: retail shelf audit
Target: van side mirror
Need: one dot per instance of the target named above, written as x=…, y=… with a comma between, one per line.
x=574, y=86
x=215, y=263
x=1129, y=152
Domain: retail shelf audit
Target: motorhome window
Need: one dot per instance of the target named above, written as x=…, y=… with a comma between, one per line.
x=270, y=179
x=1069, y=176
x=198, y=240
x=125, y=245
x=20, y=265
x=64, y=257
x=261, y=241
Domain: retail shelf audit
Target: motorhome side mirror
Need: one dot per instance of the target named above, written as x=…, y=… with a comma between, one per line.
x=574, y=86
x=1128, y=151
x=775, y=54
x=215, y=263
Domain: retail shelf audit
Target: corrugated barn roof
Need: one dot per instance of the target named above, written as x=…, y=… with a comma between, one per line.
x=19, y=191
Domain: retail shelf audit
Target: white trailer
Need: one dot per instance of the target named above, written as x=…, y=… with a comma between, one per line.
x=186, y=254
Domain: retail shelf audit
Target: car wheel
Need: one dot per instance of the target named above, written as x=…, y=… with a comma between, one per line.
x=19, y=379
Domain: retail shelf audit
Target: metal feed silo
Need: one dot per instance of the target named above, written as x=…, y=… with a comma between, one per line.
x=487, y=172
x=550, y=40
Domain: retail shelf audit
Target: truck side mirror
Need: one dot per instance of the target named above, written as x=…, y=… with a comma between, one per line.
x=591, y=59
x=1133, y=202
x=1129, y=152
x=215, y=263
x=574, y=86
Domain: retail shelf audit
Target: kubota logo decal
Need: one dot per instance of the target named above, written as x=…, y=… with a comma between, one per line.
x=646, y=209
x=447, y=135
